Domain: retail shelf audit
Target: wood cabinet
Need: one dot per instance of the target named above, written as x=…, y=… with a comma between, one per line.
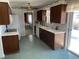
x=40, y=15
x=58, y=14
x=35, y=30
x=10, y=44
x=55, y=41
x=4, y=13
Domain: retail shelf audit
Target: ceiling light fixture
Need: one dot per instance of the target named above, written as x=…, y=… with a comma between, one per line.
x=29, y=7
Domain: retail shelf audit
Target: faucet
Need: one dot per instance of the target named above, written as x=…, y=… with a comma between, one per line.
x=56, y=28
x=6, y=28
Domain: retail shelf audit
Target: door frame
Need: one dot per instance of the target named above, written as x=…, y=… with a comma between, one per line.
x=68, y=31
x=68, y=28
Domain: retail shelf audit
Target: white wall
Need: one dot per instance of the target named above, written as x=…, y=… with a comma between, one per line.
x=15, y=24
x=73, y=6
x=34, y=16
x=34, y=19
x=4, y=0
x=2, y=29
x=18, y=21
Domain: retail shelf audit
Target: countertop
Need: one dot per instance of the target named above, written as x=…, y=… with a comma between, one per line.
x=51, y=30
x=10, y=33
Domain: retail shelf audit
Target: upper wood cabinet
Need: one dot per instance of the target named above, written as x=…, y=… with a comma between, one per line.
x=40, y=15
x=4, y=13
x=58, y=14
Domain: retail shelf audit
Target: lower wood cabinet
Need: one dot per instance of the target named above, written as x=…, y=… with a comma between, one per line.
x=10, y=44
x=54, y=41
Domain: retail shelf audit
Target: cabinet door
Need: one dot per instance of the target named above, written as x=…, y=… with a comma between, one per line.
x=57, y=14
x=51, y=40
x=42, y=35
x=39, y=15
x=4, y=13
x=52, y=14
x=10, y=44
x=47, y=38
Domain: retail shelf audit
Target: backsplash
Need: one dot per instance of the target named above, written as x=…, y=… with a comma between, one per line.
x=54, y=25
x=2, y=29
x=60, y=26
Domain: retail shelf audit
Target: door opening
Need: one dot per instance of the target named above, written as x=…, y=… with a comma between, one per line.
x=73, y=30
x=28, y=22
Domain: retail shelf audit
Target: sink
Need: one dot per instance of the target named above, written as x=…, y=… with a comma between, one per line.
x=11, y=30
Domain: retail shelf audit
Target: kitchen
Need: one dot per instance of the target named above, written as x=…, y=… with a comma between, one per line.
x=48, y=37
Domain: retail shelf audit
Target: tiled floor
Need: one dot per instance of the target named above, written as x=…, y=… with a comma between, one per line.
x=33, y=48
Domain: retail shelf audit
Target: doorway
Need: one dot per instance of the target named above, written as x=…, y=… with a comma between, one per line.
x=28, y=18
x=73, y=44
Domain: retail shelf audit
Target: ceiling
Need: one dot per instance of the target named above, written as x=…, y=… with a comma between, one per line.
x=34, y=3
